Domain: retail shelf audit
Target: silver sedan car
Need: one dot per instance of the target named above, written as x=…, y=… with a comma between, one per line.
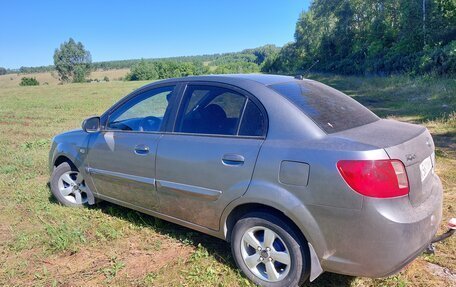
x=297, y=176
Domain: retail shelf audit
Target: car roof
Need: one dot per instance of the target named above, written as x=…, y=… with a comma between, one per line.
x=230, y=78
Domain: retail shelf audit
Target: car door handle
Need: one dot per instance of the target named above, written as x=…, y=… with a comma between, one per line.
x=233, y=159
x=141, y=149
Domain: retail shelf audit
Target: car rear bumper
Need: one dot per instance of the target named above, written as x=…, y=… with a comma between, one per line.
x=383, y=237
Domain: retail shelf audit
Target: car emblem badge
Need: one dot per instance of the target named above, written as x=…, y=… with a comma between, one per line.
x=410, y=156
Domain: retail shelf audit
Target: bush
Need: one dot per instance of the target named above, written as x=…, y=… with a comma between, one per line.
x=25, y=81
x=440, y=60
x=106, y=79
x=237, y=68
x=142, y=71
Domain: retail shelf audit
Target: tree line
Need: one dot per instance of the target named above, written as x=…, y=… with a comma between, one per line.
x=246, y=61
x=372, y=37
x=379, y=37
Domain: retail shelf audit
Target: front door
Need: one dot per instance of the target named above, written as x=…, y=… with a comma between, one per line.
x=209, y=159
x=121, y=158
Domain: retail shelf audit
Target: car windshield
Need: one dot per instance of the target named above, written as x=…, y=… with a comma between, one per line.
x=330, y=109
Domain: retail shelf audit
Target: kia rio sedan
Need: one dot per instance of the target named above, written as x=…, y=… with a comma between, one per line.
x=297, y=176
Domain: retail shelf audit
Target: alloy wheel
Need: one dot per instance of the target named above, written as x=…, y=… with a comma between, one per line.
x=265, y=254
x=72, y=187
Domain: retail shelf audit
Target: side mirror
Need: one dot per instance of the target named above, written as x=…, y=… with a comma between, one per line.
x=91, y=125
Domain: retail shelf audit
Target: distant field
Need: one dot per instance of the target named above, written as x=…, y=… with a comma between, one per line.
x=51, y=78
x=45, y=244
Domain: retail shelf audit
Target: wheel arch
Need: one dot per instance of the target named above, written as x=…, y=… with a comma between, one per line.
x=241, y=210
x=61, y=159
x=64, y=152
x=271, y=197
x=68, y=153
x=264, y=196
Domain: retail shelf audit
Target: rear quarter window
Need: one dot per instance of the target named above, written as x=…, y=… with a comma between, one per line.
x=330, y=109
x=253, y=121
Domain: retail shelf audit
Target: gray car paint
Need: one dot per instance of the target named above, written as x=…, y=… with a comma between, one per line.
x=203, y=183
x=347, y=232
x=118, y=172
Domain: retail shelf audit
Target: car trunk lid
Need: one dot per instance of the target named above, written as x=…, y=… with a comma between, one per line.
x=412, y=144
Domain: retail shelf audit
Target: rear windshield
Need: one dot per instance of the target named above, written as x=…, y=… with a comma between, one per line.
x=331, y=110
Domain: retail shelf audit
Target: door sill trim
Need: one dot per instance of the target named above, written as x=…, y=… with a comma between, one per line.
x=146, y=180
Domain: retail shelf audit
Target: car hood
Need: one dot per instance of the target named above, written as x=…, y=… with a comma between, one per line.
x=69, y=134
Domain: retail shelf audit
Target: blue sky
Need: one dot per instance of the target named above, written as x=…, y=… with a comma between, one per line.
x=116, y=30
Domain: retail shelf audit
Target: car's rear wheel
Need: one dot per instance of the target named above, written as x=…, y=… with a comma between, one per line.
x=268, y=251
x=68, y=186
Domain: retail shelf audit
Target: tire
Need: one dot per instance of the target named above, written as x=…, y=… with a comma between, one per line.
x=68, y=186
x=261, y=226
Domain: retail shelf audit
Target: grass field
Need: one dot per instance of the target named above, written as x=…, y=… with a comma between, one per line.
x=45, y=244
x=52, y=79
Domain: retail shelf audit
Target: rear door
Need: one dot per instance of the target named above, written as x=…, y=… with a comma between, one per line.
x=209, y=159
x=122, y=156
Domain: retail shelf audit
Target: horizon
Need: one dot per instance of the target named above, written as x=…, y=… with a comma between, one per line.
x=106, y=31
x=149, y=59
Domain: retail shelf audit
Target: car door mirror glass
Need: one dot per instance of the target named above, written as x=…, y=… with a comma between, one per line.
x=91, y=125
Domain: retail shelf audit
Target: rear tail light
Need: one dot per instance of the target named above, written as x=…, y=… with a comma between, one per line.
x=375, y=178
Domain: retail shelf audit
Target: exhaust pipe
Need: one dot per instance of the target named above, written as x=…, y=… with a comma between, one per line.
x=450, y=232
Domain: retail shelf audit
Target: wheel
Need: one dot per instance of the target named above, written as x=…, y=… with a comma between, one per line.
x=68, y=186
x=268, y=251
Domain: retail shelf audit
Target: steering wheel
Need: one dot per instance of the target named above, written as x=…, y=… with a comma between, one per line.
x=149, y=124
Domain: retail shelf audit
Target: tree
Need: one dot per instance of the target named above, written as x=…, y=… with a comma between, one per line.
x=2, y=71
x=142, y=71
x=72, y=61
x=377, y=36
x=286, y=61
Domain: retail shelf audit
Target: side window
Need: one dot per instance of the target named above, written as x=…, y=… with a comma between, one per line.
x=144, y=112
x=253, y=121
x=210, y=110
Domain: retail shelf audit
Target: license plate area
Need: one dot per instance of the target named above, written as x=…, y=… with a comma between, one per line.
x=425, y=168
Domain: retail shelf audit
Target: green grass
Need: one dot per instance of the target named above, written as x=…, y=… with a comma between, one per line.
x=45, y=244
x=114, y=268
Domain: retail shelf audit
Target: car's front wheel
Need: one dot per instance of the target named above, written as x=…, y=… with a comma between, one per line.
x=68, y=186
x=268, y=251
